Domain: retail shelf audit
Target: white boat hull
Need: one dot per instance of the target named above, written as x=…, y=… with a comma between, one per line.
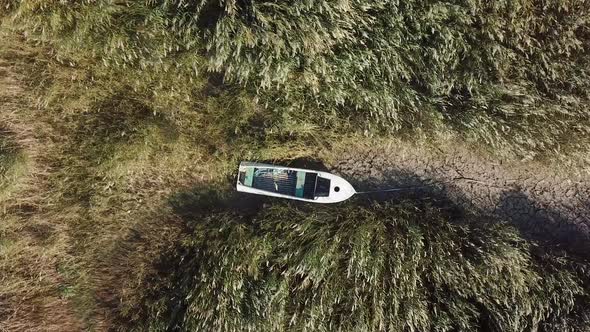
x=339, y=189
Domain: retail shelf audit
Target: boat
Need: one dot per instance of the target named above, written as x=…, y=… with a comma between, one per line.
x=292, y=183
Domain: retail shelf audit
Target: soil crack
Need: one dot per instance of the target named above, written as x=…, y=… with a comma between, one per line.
x=544, y=202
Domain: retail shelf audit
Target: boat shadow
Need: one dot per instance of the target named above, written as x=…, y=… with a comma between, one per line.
x=199, y=201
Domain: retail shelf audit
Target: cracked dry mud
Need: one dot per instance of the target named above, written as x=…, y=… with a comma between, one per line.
x=546, y=203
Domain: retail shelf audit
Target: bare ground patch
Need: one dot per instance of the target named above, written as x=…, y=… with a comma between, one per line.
x=547, y=202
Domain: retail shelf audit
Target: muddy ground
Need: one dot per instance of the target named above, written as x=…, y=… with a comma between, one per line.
x=547, y=203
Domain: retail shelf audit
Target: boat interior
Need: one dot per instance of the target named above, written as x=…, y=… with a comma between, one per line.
x=286, y=182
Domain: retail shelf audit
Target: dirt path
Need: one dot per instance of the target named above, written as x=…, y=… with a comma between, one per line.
x=547, y=203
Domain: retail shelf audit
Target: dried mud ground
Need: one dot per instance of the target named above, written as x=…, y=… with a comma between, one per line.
x=548, y=202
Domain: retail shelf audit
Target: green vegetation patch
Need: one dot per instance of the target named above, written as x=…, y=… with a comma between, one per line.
x=511, y=75
x=13, y=164
x=382, y=267
x=145, y=97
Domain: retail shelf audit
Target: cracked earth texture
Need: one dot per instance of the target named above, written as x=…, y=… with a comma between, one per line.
x=547, y=203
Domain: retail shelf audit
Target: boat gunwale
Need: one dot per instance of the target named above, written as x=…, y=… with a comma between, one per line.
x=254, y=164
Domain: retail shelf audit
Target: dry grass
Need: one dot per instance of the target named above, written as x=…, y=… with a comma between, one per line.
x=87, y=169
x=33, y=245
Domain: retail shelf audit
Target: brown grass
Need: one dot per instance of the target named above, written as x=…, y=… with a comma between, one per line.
x=85, y=211
x=33, y=245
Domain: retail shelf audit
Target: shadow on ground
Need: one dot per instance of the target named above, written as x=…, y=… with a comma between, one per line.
x=534, y=220
x=544, y=224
